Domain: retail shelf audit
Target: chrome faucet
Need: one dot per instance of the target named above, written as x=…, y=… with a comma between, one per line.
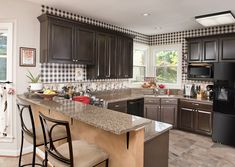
x=155, y=91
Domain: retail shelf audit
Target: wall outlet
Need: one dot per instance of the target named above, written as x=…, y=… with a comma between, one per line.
x=79, y=74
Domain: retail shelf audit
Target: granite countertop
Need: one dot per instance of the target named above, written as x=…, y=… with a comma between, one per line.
x=116, y=98
x=155, y=129
x=108, y=120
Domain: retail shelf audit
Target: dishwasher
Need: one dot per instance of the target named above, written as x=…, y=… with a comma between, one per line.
x=136, y=107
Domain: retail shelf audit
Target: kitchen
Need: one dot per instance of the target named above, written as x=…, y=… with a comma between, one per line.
x=197, y=56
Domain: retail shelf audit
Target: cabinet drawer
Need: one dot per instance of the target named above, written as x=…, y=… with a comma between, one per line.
x=151, y=100
x=196, y=105
x=169, y=101
x=118, y=106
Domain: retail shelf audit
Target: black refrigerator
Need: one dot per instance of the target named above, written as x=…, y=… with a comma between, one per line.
x=224, y=104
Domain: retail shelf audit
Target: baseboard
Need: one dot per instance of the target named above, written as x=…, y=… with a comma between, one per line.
x=16, y=152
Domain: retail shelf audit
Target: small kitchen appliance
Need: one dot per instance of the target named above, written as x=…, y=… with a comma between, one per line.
x=189, y=90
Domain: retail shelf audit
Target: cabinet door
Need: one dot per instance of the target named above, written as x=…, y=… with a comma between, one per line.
x=210, y=50
x=187, y=119
x=169, y=114
x=111, y=57
x=153, y=112
x=102, y=59
x=194, y=50
x=84, y=46
x=203, y=122
x=227, y=52
x=61, y=40
x=125, y=58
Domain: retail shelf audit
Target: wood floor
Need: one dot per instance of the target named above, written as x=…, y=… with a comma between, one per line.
x=186, y=150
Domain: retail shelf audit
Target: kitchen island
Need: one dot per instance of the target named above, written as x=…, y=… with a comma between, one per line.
x=121, y=135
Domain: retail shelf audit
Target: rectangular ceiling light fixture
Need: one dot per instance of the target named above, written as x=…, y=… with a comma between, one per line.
x=216, y=19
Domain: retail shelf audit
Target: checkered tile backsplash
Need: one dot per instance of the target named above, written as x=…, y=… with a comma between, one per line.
x=66, y=72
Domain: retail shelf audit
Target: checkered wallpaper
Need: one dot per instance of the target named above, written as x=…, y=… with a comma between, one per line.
x=66, y=72
x=179, y=37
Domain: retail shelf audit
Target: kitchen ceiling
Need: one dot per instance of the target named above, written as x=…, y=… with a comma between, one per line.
x=164, y=15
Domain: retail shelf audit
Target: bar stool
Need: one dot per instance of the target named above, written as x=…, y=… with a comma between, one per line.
x=75, y=153
x=32, y=134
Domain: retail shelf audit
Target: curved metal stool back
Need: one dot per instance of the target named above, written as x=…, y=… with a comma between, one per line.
x=49, y=146
x=23, y=110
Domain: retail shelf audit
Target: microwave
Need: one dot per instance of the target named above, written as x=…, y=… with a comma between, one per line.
x=200, y=71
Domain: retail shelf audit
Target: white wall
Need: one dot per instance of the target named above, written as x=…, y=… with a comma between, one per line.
x=27, y=30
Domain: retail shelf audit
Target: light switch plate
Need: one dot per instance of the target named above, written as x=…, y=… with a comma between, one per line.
x=78, y=74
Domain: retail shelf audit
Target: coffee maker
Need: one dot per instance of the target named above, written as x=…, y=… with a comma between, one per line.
x=209, y=92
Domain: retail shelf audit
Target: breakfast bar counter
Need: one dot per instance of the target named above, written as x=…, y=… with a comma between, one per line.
x=120, y=135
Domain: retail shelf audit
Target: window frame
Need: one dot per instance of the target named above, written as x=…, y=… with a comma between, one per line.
x=145, y=48
x=174, y=47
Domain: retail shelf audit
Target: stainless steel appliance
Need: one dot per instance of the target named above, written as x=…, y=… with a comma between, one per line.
x=224, y=104
x=200, y=71
x=209, y=92
x=189, y=90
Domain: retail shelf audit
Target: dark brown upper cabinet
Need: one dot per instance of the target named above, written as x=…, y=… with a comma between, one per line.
x=124, y=57
x=227, y=51
x=195, y=50
x=84, y=46
x=210, y=50
x=64, y=41
x=105, y=66
x=203, y=50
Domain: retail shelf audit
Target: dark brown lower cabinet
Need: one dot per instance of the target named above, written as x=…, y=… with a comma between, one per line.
x=152, y=111
x=169, y=114
x=195, y=117
x=162, y=109
x=203, y=122
x=187, y=119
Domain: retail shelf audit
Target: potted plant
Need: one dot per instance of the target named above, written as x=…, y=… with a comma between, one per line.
x=35, y=85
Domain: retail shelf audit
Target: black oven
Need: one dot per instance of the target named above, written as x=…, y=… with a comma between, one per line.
x=200, y=71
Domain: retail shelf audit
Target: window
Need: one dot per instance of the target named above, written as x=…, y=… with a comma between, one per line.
x=6, y=70
x=3, y=55
x=167, y=65
x=139, y=62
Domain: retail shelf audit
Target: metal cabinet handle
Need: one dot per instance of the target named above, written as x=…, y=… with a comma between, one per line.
x=116, y=106
x=73, y=60
x=204, y=112
x=196, y=104
x=187, y=109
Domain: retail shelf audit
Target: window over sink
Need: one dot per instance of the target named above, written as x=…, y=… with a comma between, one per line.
x=163, y=62
x=168, y=65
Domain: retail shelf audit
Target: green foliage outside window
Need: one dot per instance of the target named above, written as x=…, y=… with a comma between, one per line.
x=166, y=66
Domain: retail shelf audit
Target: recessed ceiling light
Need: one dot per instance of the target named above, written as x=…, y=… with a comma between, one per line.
x=157, y=28
x=216, y=19
x=146, y=14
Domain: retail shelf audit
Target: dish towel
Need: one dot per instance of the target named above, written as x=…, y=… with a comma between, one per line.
x=3, y=111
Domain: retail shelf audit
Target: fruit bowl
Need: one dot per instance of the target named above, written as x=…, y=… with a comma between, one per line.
x=46, y=96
